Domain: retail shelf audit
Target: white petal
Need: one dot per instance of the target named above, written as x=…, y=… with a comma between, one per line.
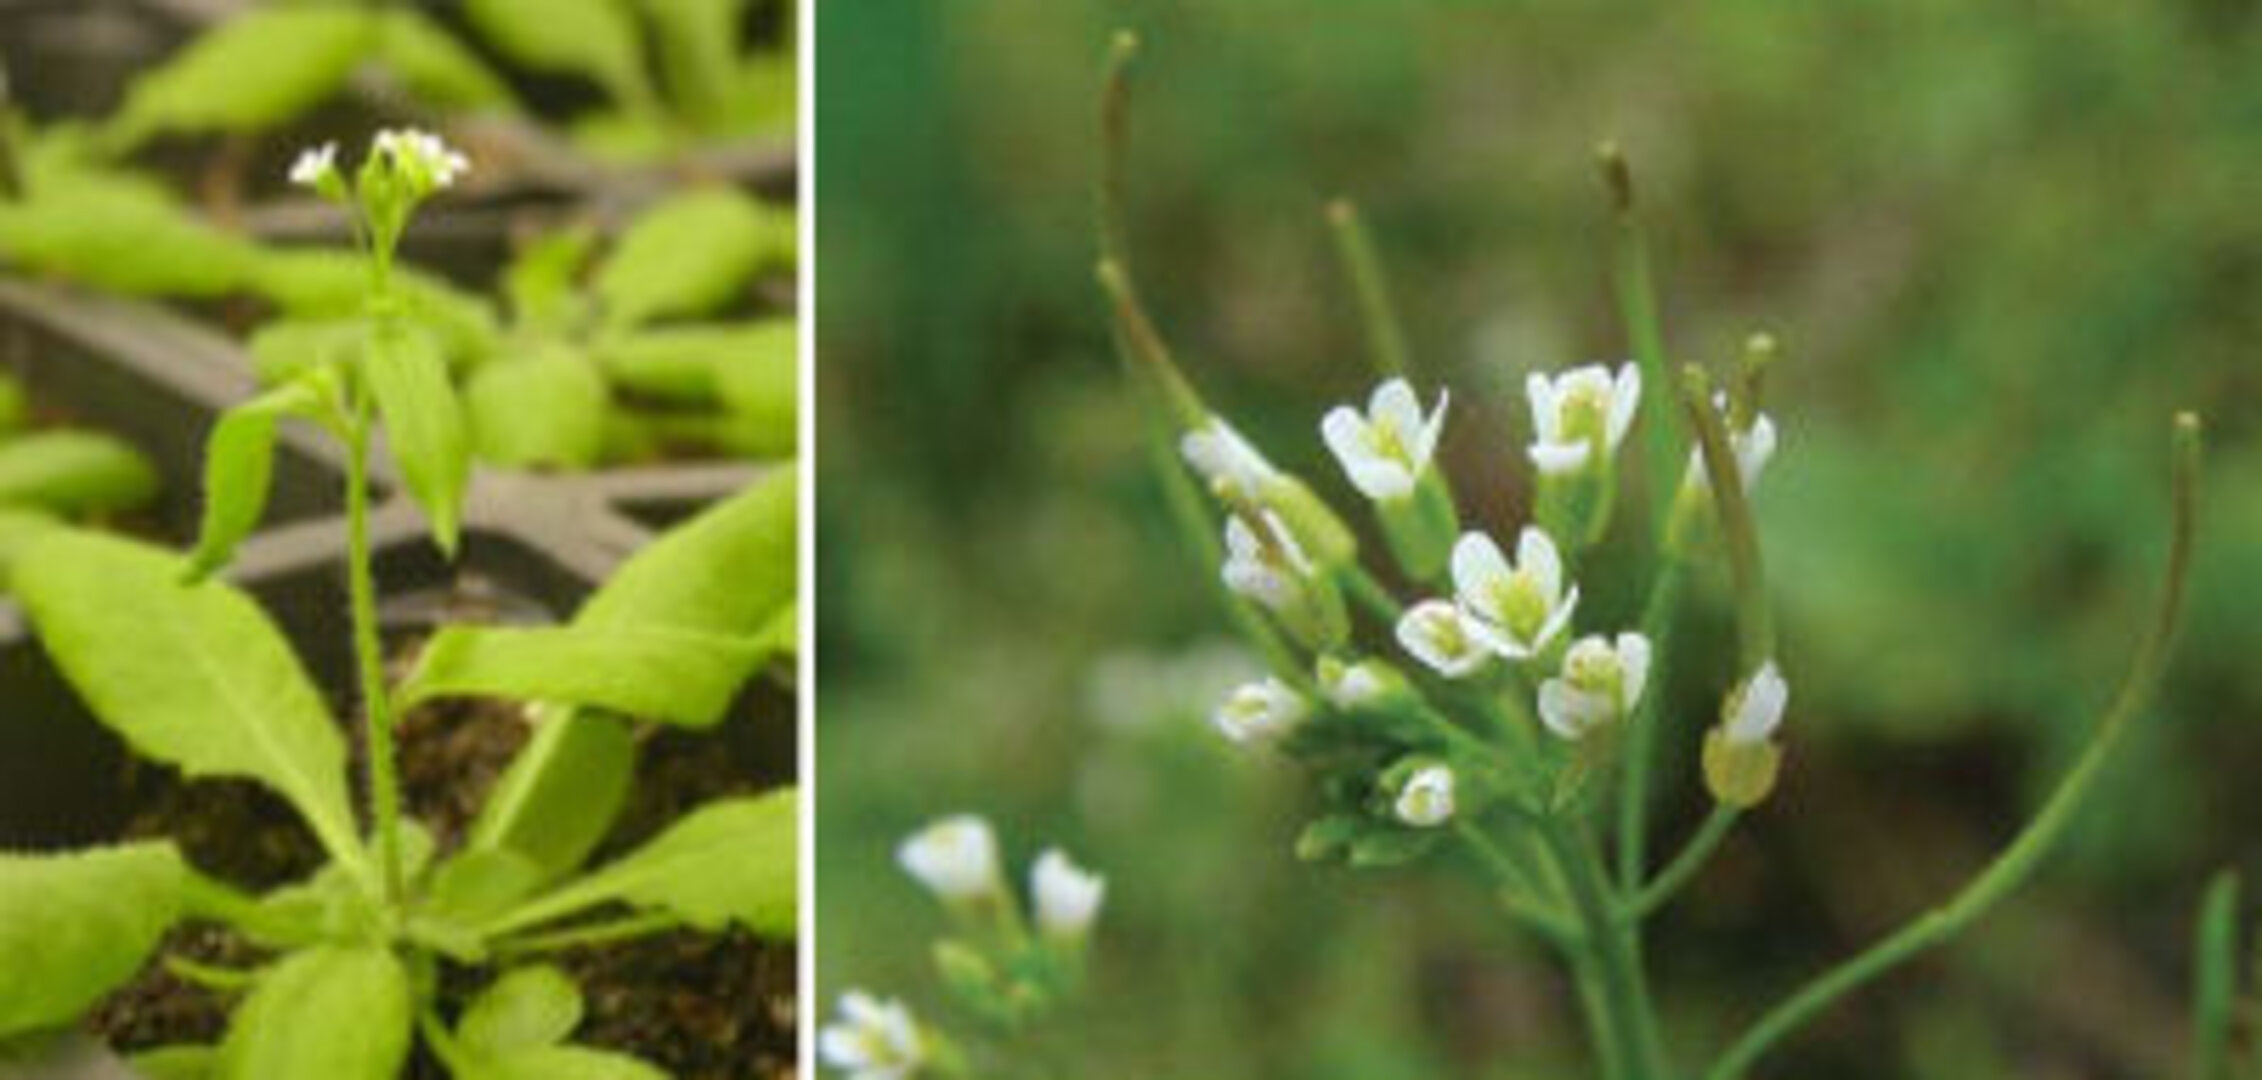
x=1394, y=405
x=1633, y=666
x=1760, y=709
x=1754, y=449
x=1555, y=458
x=1541, y=391
x=1569, y=712
x=1625, y=398
x=1536, y=555
x=1478, y=568
x=1423, y=443
x=1424, y=632
x=1556, y=620
x=1382, y=480
x=1344, y=431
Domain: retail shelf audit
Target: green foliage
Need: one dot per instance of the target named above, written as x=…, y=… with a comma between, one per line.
x=18, y=528
x=331, y=1011
x=74, y=926
x=545, y=408
x=595, y=38
x=74, y=473
x=555, y=802
x=239, y=465
x=680, y=677
x=123, y=240
x=563, y=1063
x=176, y=1063
x=424, y=423
x=699, y=58
x=527, y=1007
x=434, y=66
x=2215, y=980
x=15, y=405
x=250, y=73
x=689, y=255
x=730, y=862
x=191, y=675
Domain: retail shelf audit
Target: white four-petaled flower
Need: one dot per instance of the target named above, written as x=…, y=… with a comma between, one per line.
x=314, y=163
x=1235, y=471
x=1260, y=712
x=1067, y=896
x=1354, y=685
x=955, y=858
x=1579, y=410
x=1516, y=608
x=1426, y=801
x=1754, y=446
x=1755, y=708
x=1269, y=567
x=873, y=1039
x=1446, y=638
x=1385, y=450
x=1600, y=683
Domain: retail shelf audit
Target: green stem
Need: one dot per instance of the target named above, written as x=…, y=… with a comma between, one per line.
x=1641, y=732
x=1189, y=514
x=1370, y=594
x=377, y=709
x=1637, y=309
x=1518, y=887
x=2017, y=862
x=1624, y=994
x=1386, y=336
x=1755, y=623
x=1685, y=865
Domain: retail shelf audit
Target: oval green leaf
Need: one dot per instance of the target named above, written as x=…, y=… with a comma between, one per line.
x=330, y=1012
x=74, y=926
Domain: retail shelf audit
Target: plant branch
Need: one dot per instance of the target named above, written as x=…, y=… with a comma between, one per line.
x=1623, y=993
x=2017, y=862
x=1685, y=865
x=377, y=710
x=1637, y=308
x=1755, y=623
x=1641, y=731
x=1386, y=335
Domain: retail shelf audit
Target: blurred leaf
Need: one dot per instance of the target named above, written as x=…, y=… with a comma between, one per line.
x=74, y=473
x=190, y=675
x=698, y=42
x=123, y=240
x=541, y=280
x=253, y=72
x=19, y=527
x=760, y=386
x=729, y=862
x=424, y=424
x=564, y=1063
x=2215, y=983
x=283, y=349
x=543, y=409
x=435, y=67
x=239, y=464
x=596, y=38
x=15, y=405
x=176, y=1063
x=526, y=1008
x=334, y=1012
x=691, y=255
x=74, y=926
x=560, y=794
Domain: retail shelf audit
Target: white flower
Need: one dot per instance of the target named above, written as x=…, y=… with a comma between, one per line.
x=1259, y=712
x=314, y=163
x=1068, y=897
x=955, y=858
x=1600, y=683
x=1443, y=636
x=1755, y=708
x=1235, y=471
x=1754, y=447
x=1427, y=799
x=423, y=155
x=1385, y=451
x=873, y=1039
x=1517, y=608
x=1578, y=409
x=1269, y=568
x=1351, y=686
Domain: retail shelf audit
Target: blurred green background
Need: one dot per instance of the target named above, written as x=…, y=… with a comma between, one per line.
x=2001, y=245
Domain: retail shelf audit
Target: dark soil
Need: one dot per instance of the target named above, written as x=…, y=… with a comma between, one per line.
x=702, y=1007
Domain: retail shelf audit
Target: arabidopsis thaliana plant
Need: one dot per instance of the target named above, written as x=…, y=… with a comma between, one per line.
x=1579, y=410
x=873, y=1039
x=1517, y=609
x=1754, y=446
x=1269, y=567
x=1427, y=799
x=1235, y=471
x=1260, y=712
x=955, y=858
x=1385, y=450
x=1067, y=896
x=1755, y=709
x=1440, y=634
x=314, y=163
x=1601, y=681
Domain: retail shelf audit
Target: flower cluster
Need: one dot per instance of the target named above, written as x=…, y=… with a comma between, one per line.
x=1498, y=632
x=402, y=169
x=998, y=966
